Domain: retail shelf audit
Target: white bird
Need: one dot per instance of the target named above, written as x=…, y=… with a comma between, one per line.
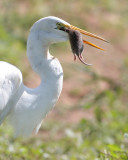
x=26, y=107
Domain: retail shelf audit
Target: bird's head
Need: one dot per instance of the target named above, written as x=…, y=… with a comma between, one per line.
x=55, y=30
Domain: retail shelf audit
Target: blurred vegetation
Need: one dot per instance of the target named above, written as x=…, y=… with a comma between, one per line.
x=105, y=135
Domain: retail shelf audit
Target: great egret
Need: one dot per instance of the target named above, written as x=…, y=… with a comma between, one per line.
x=26, y=107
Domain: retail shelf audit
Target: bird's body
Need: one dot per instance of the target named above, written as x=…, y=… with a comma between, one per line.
x=26, y=107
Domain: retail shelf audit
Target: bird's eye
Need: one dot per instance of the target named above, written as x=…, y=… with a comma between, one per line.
x=59, y=25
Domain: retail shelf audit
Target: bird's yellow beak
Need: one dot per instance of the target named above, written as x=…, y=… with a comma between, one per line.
x=87, y=34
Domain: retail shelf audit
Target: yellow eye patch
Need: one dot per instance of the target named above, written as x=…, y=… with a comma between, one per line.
x=60, y=25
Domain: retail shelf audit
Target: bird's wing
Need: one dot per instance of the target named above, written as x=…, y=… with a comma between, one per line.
x=10, y=82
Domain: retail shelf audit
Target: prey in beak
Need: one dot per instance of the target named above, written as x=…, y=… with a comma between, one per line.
x=76, y=40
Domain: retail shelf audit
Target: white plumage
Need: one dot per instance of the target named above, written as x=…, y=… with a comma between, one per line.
x=25, y=107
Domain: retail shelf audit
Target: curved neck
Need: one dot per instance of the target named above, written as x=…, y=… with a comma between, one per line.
x=37, y=52
x=42, y=62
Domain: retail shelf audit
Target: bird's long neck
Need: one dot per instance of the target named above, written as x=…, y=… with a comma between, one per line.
x=45, y=65
x=37, y=52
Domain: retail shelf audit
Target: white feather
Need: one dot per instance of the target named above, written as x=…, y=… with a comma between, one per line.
x=26, y=107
